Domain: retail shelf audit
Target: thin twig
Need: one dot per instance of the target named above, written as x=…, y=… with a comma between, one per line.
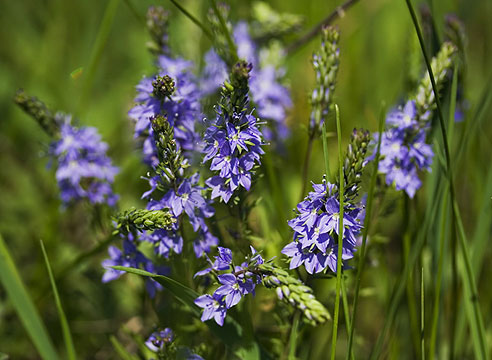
x=193, y=19
x=339, y=12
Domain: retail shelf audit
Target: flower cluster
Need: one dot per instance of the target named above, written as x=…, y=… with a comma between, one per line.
x=182, y=105
x=404, y=150
x=316, y=230
x=316, y=226
x=235, y=282
x=270, y=96
x=162, y=343
x=325, y=63
x=181, y=195
x=233, y=141
x=84, y=170
x=133, y=258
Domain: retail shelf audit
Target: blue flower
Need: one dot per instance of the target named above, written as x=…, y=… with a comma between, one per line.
x=316, y=230
x=133, y=258
x=158, y=339
x=84, y=170
x=403, y=149
x=271, y=98
x=182, y=108
x=213, y=307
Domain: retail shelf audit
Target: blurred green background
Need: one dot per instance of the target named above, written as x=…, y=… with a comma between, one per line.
x=43, y=46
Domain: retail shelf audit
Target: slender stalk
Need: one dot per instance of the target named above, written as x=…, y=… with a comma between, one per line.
x=305, y=168
x=67, y=336
x=100, y=43
x=339, y=12
x=437, y=291
x=225, y=29
x=401, y=283
x=422, y=315
x=412, y=307
x=365, y=230
x=340, y=237
x=346, y=313
x=469, y=277
x=197, y=22
x=293, y=336
x=325, y=150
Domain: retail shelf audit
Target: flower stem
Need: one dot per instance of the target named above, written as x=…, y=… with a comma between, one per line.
x=365, y=230
x=469, y=277
x=305, y=168
x=339, y=12
x=340, y=237
x=193, y=19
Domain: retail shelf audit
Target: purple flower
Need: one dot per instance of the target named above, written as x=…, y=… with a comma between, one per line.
x=158, y=339
x=84, y=170
x=271, y=98
x=213, y=307
x=182, y=108
x=403, y=150
x=316, y=230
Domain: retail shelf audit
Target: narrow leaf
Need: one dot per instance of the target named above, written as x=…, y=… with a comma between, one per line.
x=12, y=282
x=67, y=336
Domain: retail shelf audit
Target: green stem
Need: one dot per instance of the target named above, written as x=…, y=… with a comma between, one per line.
x=437, y=290
x=412, y=307
x=401, y=283
x=337, y=13
x=305, y=168
x=67, y=336
x=193, y=19
x=293, y=336
x=469, y=277
x=100, y=43
x=227, y=33
x=422, y=315
x=340, y=237
x=365, y=230
x=325, y=150
x=346, y=313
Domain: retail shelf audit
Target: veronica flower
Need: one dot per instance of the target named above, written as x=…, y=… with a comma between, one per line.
x=83, y=168
x=182, y=107
x=213, y=307
x=271, y=98
x=133, y=258
x=233, y=140
x=404, y=151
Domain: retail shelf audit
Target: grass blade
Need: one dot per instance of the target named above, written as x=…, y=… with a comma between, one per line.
x=120, y=350
x=468, y=276
x=340, y=237
x=12, y=282
x=67, y=336
x=422, y=315
x=365, y=230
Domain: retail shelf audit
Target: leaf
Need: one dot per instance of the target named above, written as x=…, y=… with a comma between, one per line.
x=67, y=336
x=231, y=334
x=12, y=282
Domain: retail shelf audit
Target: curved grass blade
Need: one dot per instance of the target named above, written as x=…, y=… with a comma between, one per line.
x=468, y=276
x=340, y=241
x=365, y=230
x=120, y=350
x=67, y=336
x=230, y=334
x=16, y=291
